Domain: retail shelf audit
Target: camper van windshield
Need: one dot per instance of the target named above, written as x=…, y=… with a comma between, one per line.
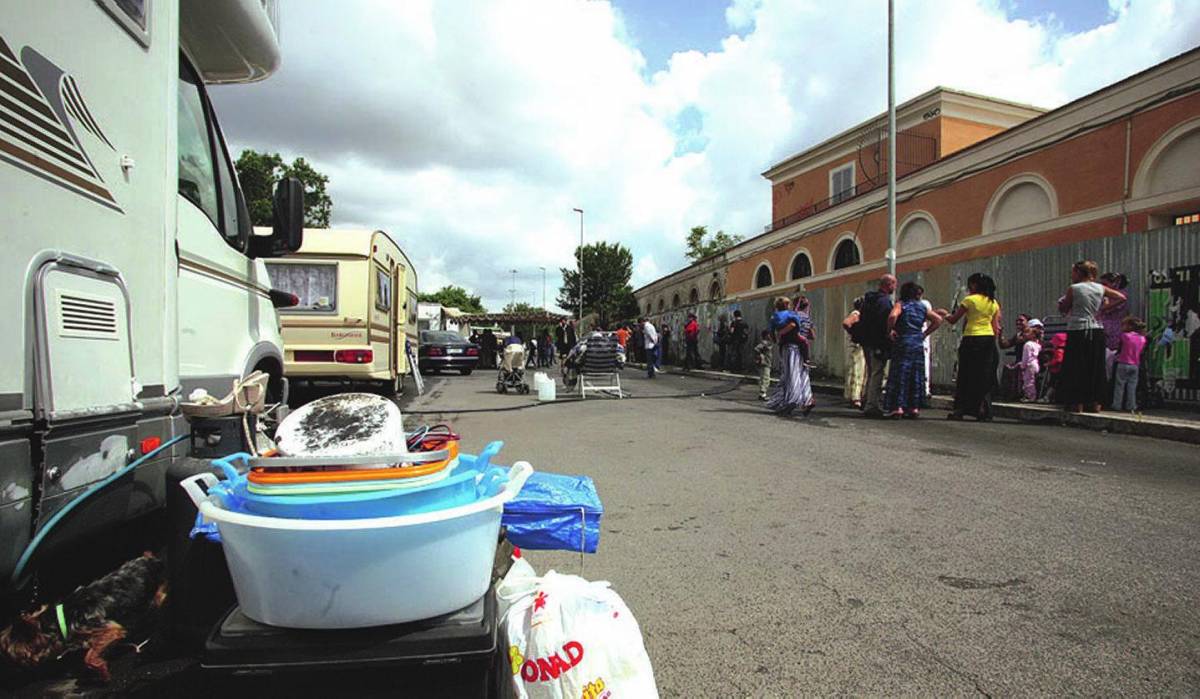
x=314, y=284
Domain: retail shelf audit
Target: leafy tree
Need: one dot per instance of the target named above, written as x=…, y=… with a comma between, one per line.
x=259, y=172
x=606, y=291
x=521, y=307
x=455, y=297
x=698, y=248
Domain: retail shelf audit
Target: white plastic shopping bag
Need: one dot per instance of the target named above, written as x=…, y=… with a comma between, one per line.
x=571, y=639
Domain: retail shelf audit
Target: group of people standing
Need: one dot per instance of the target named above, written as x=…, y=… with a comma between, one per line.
x=893, y=337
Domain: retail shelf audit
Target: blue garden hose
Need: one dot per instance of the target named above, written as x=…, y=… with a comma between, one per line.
x=27, y=554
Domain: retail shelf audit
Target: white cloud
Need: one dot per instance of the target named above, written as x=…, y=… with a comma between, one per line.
x=471, y=129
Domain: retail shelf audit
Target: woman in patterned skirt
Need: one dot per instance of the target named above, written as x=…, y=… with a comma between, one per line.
x=906, y=378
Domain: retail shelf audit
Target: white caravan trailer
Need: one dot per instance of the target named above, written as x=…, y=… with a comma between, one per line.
x=130, y=269
x=356, y=315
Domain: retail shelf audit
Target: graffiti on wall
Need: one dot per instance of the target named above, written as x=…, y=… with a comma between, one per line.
x=1173, y=319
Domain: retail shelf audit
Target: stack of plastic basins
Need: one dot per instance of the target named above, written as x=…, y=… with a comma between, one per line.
x=307, y=551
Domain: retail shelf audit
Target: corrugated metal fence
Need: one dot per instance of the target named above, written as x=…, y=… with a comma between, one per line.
x=1027, y=282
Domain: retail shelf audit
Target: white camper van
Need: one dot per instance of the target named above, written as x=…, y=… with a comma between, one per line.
x=130, y=270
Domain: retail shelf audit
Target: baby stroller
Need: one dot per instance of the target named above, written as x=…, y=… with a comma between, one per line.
x=512, y=370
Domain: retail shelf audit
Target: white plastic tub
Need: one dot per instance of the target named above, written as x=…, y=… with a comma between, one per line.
x=353, y=573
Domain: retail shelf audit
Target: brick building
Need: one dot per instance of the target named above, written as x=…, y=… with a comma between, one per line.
x=981, y=182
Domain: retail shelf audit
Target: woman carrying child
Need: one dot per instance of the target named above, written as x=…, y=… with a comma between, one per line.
x=794, y=390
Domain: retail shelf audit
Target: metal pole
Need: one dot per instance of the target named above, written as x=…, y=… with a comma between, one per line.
x=891, y=194
x=513, y=290
x=580, y=267
x=543, y=287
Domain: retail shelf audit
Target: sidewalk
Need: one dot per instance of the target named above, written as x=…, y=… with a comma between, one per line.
x=1178, y=426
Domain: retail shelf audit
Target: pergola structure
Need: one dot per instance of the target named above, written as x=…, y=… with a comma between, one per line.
x=510, y=319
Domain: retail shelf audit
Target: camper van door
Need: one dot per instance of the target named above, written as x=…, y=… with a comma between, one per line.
x=227, y=324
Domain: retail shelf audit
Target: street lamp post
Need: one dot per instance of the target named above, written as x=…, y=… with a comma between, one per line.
x=580, y=212
x=891, y=183
x=513, y=290
x=543, y=287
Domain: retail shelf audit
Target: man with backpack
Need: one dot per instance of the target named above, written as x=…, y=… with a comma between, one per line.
x=871, y=332
x=739, y=333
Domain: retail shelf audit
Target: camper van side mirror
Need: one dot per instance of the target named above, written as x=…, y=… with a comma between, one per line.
x=287, y=222
x=287, y=226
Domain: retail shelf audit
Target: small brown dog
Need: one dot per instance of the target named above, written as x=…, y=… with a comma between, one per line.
x=91, y=619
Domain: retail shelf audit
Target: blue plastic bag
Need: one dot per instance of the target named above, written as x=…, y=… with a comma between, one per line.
x=555, y=512
x=206, y=530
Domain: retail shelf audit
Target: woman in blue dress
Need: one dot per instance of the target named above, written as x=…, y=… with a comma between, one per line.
x=906, y=378
x=794, y=390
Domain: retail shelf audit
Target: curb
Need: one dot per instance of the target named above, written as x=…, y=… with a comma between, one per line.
x=1116, y=423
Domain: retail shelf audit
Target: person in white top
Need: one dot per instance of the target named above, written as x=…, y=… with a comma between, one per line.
x=1083, y=381
x=650, y=333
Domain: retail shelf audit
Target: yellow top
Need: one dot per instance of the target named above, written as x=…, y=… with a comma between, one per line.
x=980, y=310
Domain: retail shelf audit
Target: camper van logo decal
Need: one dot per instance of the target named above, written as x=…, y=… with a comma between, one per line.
x=39, y=106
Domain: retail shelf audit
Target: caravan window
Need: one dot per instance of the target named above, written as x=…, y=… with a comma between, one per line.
x=383, y=290
x=314, y=283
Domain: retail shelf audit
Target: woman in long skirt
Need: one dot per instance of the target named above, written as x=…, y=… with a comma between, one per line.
x=978, y=358
x=794, y=389
x=1082, y=384
x=906, y=378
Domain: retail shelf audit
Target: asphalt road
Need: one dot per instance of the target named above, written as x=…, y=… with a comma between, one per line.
x=836, y=555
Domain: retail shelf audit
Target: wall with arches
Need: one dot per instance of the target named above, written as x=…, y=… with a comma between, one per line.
x=1083, y=174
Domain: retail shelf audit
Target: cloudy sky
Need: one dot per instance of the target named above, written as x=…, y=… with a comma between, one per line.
x=470, y=129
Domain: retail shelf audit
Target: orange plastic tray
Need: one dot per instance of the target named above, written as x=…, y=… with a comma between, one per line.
x=276, y=477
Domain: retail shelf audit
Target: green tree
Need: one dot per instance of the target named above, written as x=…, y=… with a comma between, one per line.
x=698, y=248
x=606, y=291
x=259, y=172
x=455, y=297
x=521, y=307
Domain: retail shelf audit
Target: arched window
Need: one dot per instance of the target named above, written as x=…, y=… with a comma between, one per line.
x=762, y=277
x=694, y=297
x=917, y=232
x=847, y=255
x=1170, y=164
x=1021, y=201
x=675, y=301
x=649, y=308
x=661, y=303
x=714, y=291
x=801, y=266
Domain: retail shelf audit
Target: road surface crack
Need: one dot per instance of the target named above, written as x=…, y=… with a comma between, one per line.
x=933, y=655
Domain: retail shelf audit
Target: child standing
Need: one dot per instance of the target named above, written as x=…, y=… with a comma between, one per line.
x=762, y=359
x=1129, y=354
x=1029, y=365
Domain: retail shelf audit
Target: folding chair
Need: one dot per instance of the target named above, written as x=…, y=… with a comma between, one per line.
x=600, y=372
